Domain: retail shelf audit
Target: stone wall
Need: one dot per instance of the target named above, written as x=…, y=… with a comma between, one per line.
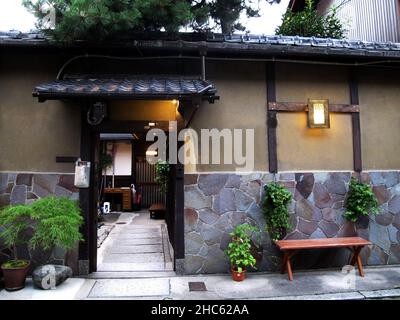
x=25, y=188
x=216, y=203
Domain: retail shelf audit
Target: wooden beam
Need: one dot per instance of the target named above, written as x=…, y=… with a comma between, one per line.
x=302, y=107
x=66, y=159
x=355, y=120
x=272, y=121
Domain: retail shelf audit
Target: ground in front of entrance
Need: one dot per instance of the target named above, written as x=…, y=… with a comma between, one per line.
x=134, y=263
x=379, y=283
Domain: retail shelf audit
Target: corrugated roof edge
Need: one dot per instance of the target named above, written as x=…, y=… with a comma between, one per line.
x=277, y=45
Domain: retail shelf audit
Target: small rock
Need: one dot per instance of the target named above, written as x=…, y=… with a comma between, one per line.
x=41, y=276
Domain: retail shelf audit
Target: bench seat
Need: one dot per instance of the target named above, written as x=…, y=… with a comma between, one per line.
x=290, y=248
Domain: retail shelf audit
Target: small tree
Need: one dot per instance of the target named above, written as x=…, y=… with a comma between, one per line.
x=57, y=222
x=226, y=13
x=308, y=23
x=118, y=19
x=15, y=222
x=108, y=19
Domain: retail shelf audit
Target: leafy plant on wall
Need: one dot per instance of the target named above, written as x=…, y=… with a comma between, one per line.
x=162, y=175
x=361, y=201
x=275, y=210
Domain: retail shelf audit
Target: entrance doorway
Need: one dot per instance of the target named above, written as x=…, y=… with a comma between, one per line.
x=131, y=237
x=92, y=199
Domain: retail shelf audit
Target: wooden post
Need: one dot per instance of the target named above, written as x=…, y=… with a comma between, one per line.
x=272, y=121
x=90, y=143
x=355, y=120
x=84, y=196
x=179, y=228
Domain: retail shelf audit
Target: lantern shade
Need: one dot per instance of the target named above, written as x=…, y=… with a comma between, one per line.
x=318, y=114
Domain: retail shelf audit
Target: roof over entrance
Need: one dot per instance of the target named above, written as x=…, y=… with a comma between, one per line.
x=132, y=88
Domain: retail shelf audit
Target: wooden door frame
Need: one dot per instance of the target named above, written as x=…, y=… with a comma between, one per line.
x=90, y=142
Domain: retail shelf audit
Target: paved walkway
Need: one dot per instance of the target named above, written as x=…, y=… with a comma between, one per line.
x=380, y=282
x=136, y=243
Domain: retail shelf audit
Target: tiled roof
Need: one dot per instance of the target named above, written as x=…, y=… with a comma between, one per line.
x=274, y=45
x=133, y=87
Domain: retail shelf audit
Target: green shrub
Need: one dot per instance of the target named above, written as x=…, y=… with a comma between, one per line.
x=360, y=201
x=57, y=222
x=239, y=249
x=15, y=222
x=15, y=264
x=162, y=175
x=275, y=210
x=308, y=23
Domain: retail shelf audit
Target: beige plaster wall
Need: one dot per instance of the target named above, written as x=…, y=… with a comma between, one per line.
x=242, y=89
x=304, y=149
x=143, y=110
x=32, y=134
x=379, y=91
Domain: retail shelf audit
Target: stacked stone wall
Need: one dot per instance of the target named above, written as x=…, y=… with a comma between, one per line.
x=216, y=203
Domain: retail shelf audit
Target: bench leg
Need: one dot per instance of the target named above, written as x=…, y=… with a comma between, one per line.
x=286, y=265
x=285, y=257
x=357, y=259
x=289, y=269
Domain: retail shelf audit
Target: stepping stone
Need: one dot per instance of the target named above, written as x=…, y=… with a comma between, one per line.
x=130, y=288
x=137, y=249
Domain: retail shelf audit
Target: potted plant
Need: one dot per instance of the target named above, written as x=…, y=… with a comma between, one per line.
x=16, y=222
x=275, y=210
x=360, y=201
x=45, y=224
x=239, y=251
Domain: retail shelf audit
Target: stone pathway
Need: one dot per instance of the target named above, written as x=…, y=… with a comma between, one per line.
x=136, y=243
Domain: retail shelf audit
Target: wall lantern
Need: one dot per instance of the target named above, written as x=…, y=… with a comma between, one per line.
x=318, y=114
x=152, y=153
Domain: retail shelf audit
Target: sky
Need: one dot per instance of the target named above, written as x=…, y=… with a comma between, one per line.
x=13, y=16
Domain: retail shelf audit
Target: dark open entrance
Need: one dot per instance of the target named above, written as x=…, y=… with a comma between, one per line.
x=96, y=95
x=143, y=178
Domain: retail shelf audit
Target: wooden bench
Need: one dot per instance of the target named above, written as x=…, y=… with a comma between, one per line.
x=290, y=248
x=157, y=211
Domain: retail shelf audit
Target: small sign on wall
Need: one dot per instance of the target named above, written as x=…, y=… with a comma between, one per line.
x=82, y=174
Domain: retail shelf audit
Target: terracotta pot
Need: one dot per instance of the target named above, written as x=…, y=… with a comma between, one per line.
x=238, y=276
x=14, y=278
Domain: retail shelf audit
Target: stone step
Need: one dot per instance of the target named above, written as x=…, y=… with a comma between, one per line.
x=141, y=258
x=127, y=236
x=137, y=242
x=140, y=230
x=153, y=248
x=130, y=275
x=131, y=267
